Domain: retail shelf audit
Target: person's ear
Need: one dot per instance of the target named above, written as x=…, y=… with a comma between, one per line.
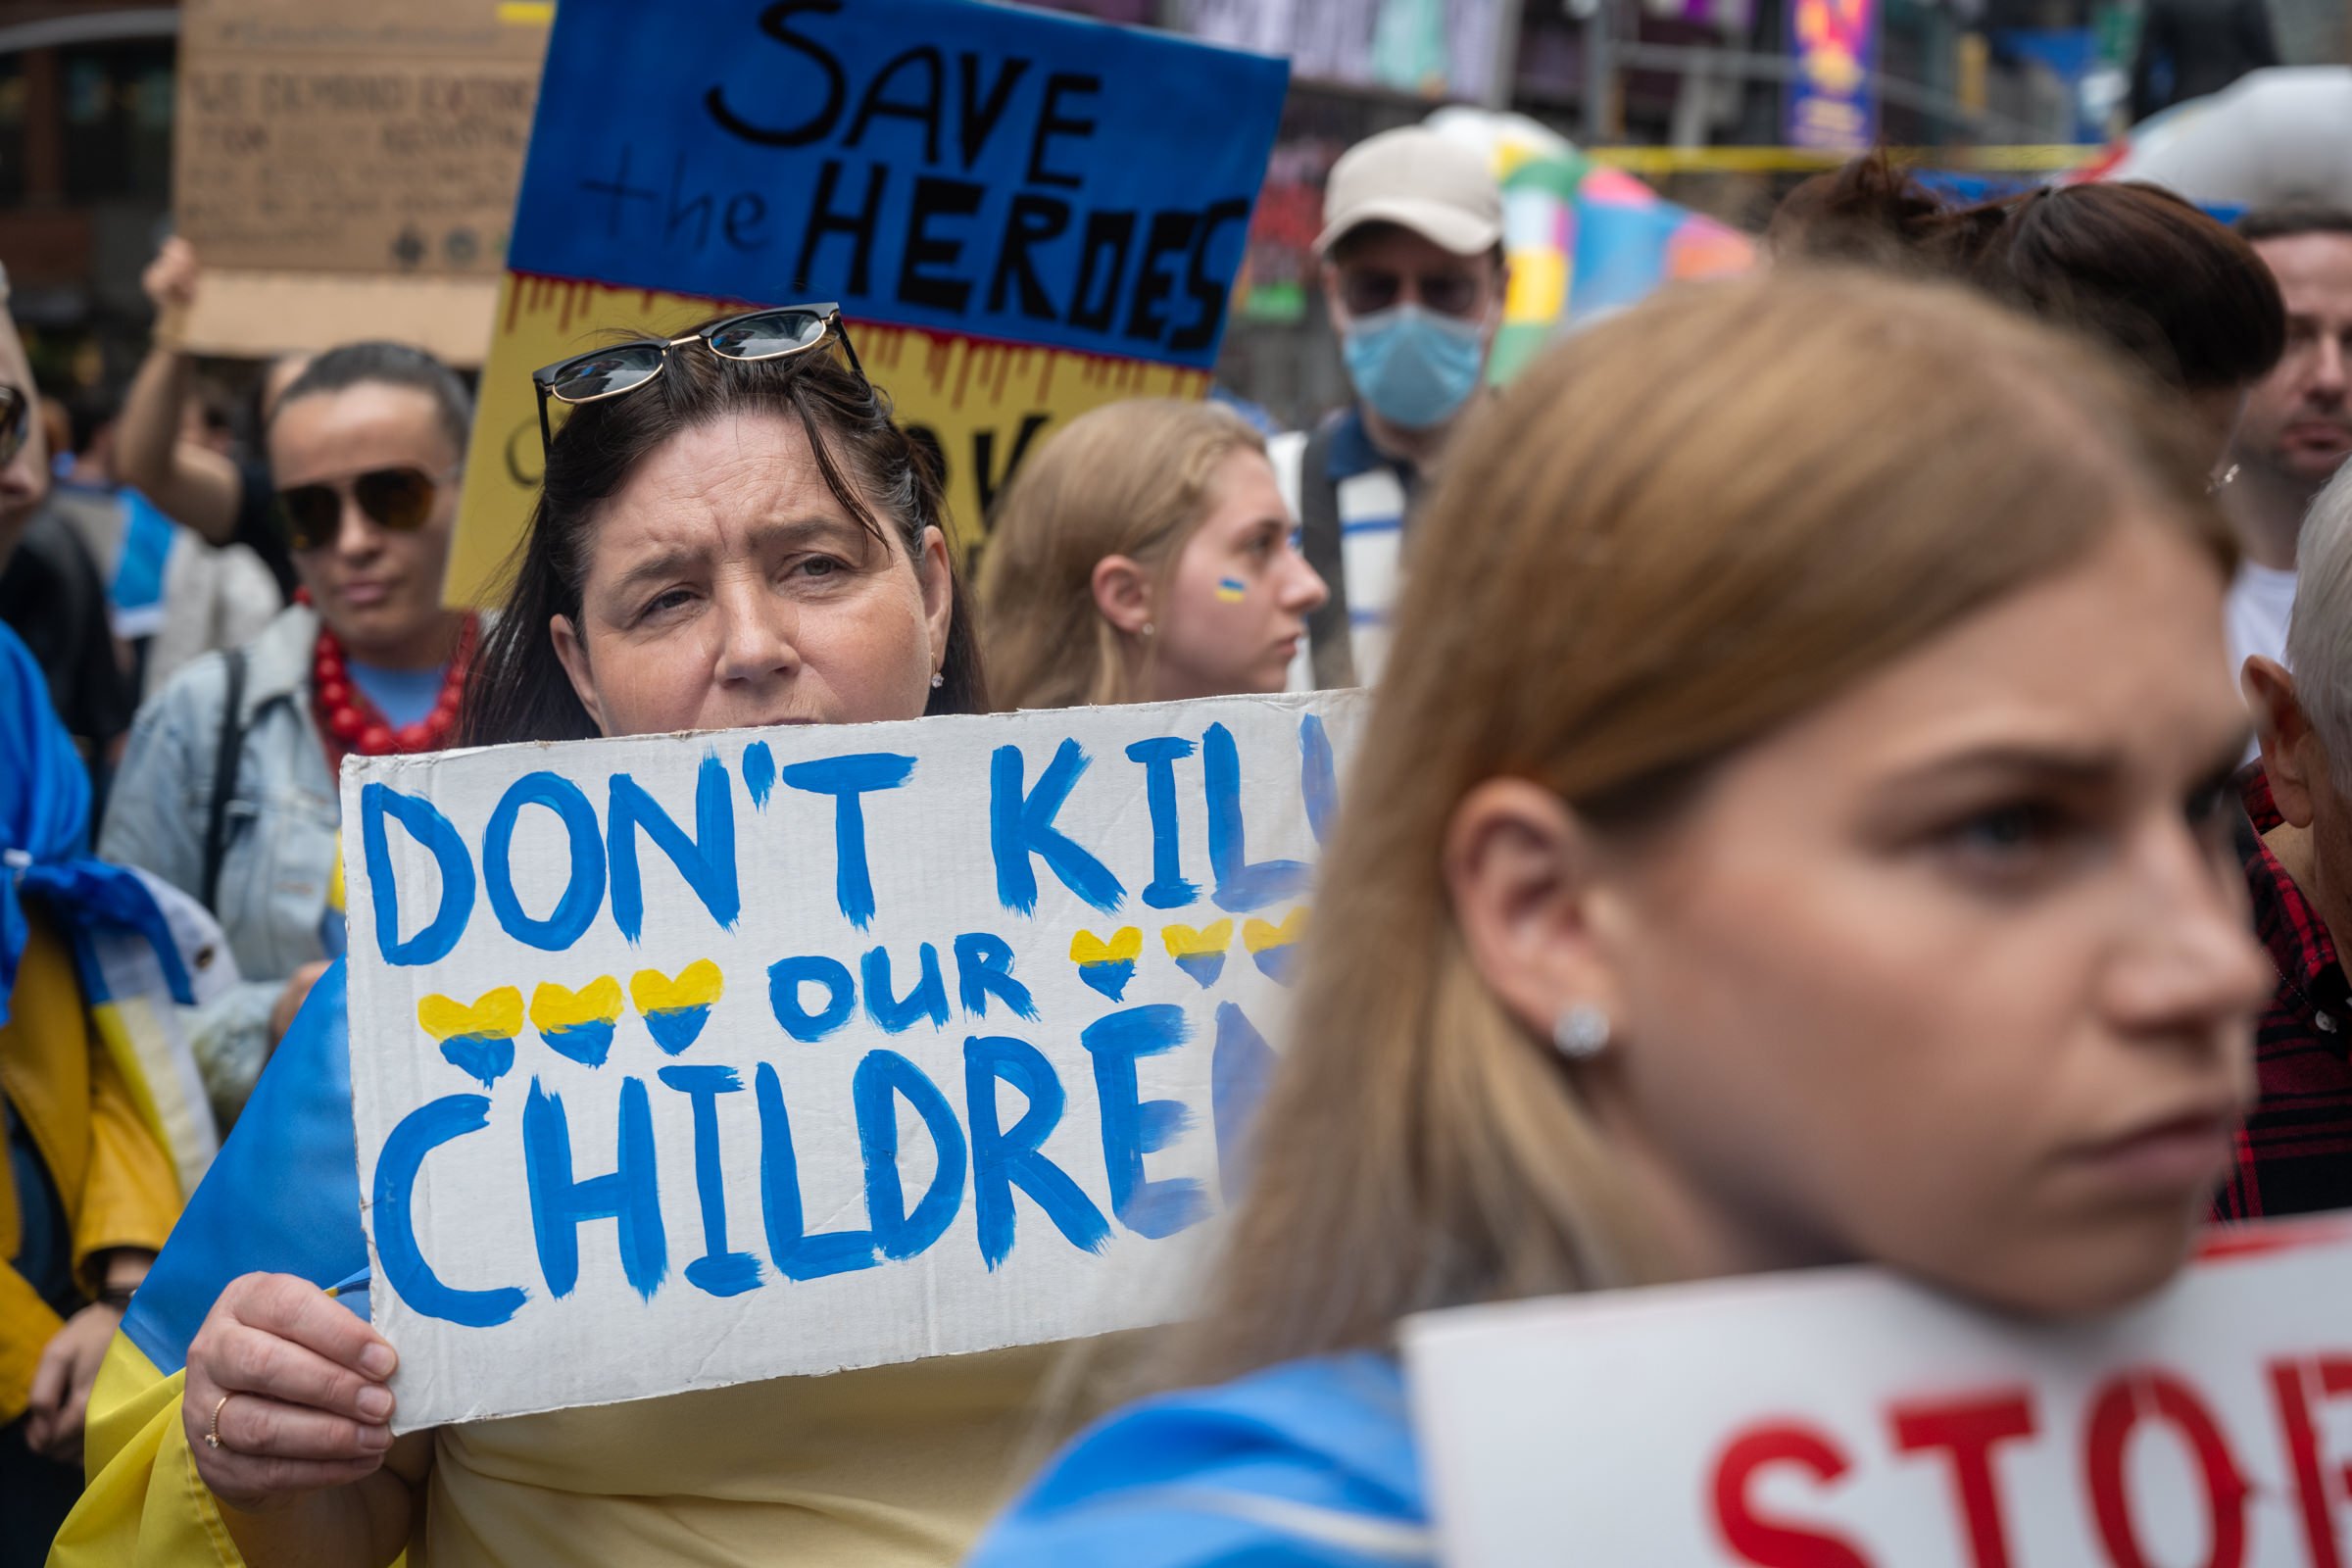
x=1521, y=870
x=2290, y=750
x=1122, y=592
x=572, y=653
x=936, y=573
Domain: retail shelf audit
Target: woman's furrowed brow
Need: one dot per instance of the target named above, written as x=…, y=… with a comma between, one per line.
x=796, y=532
x=664, y=564
x=762, y=539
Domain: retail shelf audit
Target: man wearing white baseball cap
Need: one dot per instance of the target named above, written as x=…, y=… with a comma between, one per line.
x=1413, y=276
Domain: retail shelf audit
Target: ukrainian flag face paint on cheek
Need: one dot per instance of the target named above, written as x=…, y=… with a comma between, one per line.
x=1232, y=590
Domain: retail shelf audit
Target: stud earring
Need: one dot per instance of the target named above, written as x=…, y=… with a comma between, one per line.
x=938, y=679
x=1581, y=1032
x=1149, y=628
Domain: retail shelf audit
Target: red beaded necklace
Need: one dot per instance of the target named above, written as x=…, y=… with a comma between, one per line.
x=351, y=722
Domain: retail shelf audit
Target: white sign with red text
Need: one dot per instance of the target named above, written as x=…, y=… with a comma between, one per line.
x=1848, y=1419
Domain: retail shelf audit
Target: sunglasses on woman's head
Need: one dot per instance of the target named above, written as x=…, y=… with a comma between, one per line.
x=399, y=499
x=755, y=335
x=16, y=423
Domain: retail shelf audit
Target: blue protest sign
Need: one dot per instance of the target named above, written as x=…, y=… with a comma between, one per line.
x=942, y=163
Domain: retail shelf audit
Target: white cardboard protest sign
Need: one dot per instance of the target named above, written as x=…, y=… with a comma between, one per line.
x=1848, y=1419
x=685, y=1060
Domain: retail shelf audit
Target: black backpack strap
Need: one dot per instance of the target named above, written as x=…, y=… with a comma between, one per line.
x=1327, y=636
x=226, y=758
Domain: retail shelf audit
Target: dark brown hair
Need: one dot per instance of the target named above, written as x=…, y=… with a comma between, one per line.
x=382, y=364
x=517, y=690
x=2132, y=265
x=2292, y=219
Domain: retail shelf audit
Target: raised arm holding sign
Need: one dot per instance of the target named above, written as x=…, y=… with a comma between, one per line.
x=350, y=172
x=1022, y=215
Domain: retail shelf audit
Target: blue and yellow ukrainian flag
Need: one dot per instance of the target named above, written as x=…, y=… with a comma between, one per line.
x=282, y=1197
x=131, y=980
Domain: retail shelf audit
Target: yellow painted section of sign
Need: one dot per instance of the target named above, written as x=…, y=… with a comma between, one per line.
x=986, y=403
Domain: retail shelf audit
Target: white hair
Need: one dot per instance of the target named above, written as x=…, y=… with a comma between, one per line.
x=2319, y=634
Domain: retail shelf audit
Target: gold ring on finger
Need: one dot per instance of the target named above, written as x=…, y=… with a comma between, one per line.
x=212, y=1439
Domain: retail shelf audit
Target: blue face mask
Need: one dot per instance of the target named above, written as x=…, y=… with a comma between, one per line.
x=1414, y=367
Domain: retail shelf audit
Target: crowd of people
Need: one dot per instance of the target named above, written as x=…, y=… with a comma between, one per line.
x=1940, y=637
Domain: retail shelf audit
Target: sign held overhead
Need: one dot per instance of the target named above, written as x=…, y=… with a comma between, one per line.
x=351, y=171
x=1022, y=215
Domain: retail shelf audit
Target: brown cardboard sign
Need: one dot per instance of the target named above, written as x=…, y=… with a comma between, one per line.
x=262, y=315
x=367, y=136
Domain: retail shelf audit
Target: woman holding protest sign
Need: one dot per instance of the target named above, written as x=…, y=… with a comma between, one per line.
x=732, y=533
x=227, y=788
x=1144, y=553
x=1833, y=865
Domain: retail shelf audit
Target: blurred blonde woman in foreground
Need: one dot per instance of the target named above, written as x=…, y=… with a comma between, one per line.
x=1794, y=831
x=1144, y=553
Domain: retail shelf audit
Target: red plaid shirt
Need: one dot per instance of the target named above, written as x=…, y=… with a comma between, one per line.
x=2294, y=1155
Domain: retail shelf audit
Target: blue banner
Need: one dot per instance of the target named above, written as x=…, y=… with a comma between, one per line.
x=942, y=163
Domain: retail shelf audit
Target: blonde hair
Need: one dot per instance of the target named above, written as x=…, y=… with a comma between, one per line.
x=1681, y=528
x=1133, y=478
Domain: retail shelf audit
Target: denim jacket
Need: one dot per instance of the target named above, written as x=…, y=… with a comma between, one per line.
x=282, y=824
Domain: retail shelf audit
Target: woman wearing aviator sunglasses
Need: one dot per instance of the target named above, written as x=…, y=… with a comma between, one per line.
x=227, y=787
x=731, y=532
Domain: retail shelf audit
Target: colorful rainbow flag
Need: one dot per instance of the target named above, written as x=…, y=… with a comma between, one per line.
x=1584, y=239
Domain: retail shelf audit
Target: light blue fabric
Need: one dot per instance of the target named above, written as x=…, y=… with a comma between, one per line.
x=404, y=696
x=1413, y=367
x=282, y=824
x=147, y=540
x=45, y=836
x=1310, y=1465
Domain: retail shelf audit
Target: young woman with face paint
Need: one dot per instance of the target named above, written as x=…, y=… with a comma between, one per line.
x=1143, y=555
x=1780, y=850
x=731, y=532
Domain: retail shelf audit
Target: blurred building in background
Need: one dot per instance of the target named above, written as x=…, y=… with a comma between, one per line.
x=85, y=174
